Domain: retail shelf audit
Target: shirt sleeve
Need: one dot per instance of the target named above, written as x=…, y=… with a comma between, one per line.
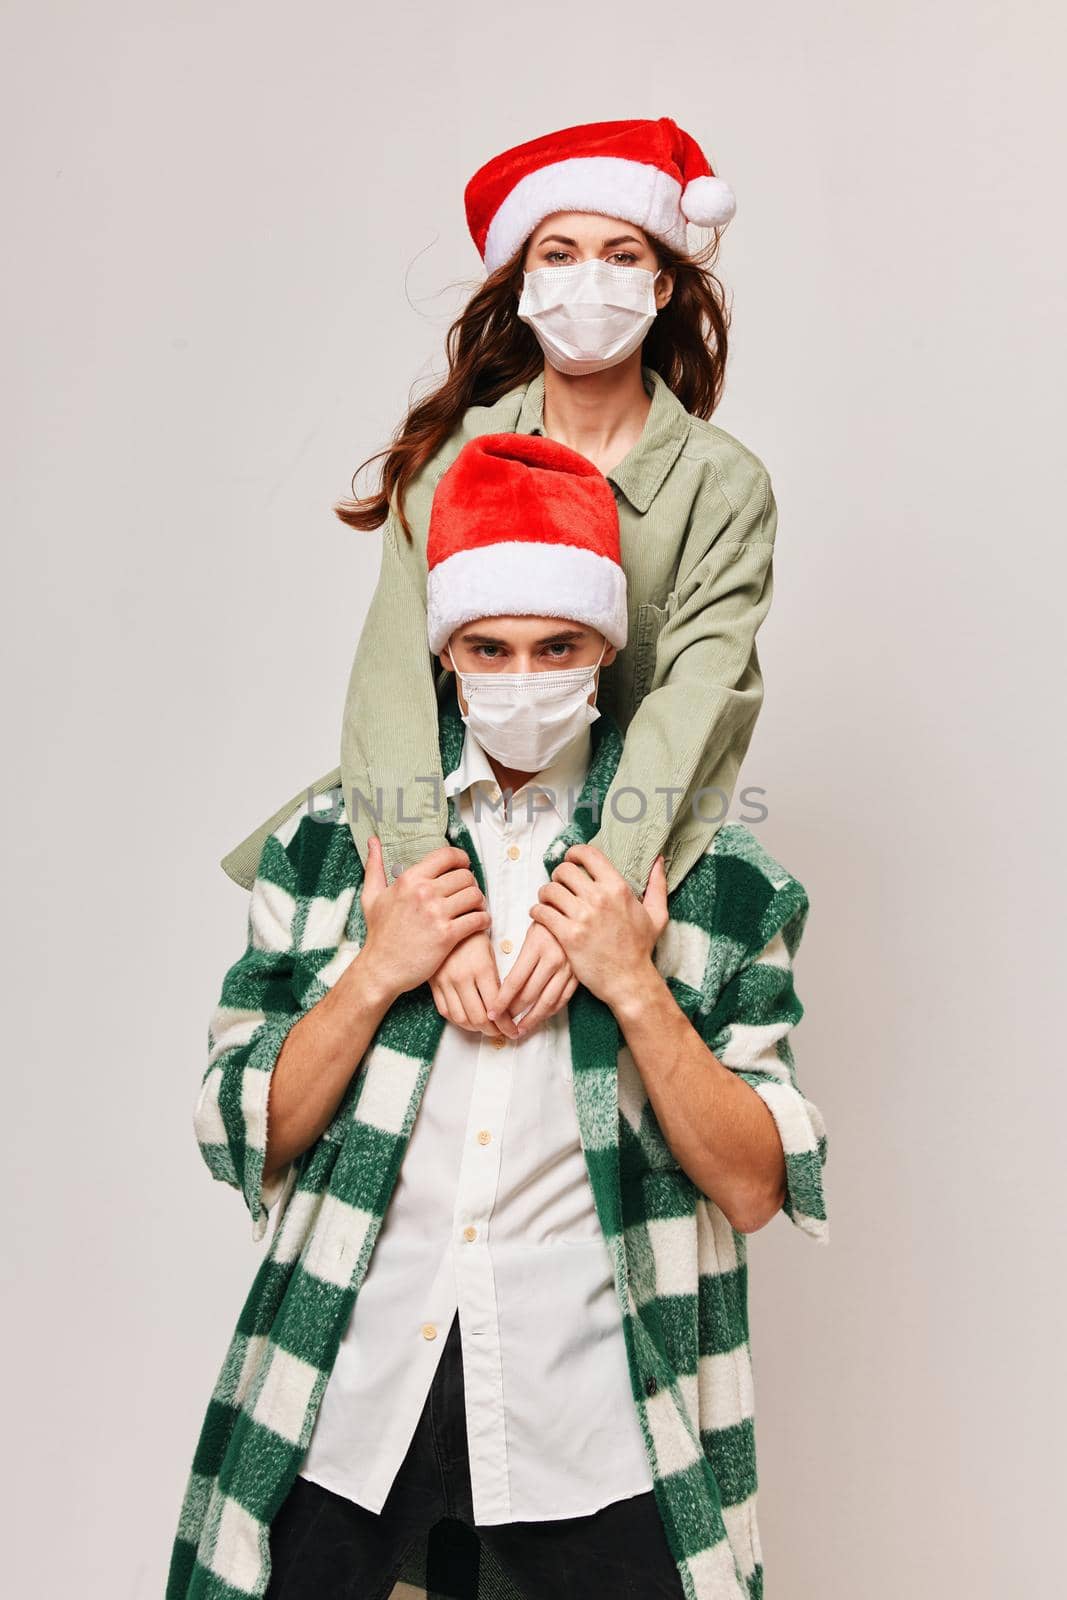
x=264, y=994
x=390, y=752
x=748, y=1030
x=242, y=861
x=691, y=731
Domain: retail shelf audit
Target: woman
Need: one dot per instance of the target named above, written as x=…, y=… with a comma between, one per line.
x=596, y=327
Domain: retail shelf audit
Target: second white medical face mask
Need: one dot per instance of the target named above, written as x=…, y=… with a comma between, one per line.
x=590, y=315
x=525, y=719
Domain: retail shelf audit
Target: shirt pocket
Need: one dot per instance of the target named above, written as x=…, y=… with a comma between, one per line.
x=648, y=627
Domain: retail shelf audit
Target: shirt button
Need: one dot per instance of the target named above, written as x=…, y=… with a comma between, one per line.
x=507, y=946
x=470, y=1233
x=484, y=1136
x=429, y=1331
x=498, y=1044
x=513, y=852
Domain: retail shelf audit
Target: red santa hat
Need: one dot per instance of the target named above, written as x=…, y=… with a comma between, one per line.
x=522, y=525
x=646, y=171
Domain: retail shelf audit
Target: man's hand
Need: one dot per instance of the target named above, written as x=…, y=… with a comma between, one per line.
x=413, y=922
x=606, y=932
x=466, y=983
x=541, y=981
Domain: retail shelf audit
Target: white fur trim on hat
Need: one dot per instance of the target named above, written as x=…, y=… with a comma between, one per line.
x=636, y=191
x=516, y=578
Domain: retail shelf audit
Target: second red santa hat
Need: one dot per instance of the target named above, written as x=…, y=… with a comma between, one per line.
x=522, y=525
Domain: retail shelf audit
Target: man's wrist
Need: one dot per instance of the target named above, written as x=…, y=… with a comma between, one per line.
x=377, y=985
x=640, y=990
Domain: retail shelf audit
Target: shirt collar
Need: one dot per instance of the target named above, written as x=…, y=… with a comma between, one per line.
x=645, y=465
x=564, y=776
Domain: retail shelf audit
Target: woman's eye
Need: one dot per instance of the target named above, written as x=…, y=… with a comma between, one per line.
x=625, y=258
x=553, y=256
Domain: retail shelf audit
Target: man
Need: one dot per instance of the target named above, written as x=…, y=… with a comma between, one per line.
x=498, y=1347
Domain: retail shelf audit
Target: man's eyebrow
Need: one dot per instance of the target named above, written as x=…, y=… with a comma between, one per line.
x=560, y=238
x=550, y=638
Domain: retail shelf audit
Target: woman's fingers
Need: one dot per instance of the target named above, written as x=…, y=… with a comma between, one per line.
x=525, y=963
x=456, y=1011
x=487, y=987
x=474, y=1006
x=532, y=990
x=548, y=1004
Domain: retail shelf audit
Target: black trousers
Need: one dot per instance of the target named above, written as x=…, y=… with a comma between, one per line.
x=325, y=1547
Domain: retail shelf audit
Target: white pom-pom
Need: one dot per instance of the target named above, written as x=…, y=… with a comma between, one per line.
x=709, y=202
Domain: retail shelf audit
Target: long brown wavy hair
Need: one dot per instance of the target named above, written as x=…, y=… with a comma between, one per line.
x=490, y=351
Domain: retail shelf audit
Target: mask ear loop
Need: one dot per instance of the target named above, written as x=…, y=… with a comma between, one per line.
x=603, y=647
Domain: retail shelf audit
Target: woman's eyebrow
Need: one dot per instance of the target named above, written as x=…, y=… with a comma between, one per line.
x=559, y=238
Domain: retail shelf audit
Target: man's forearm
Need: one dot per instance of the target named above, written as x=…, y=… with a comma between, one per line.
x=716, y=1125
x=318, y=1058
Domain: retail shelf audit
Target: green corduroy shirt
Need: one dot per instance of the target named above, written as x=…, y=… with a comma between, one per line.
x=697, y=521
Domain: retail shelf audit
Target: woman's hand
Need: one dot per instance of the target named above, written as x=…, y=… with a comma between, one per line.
x=413, y=922
x=539, y=984
x=607, y=933
x=466, y=983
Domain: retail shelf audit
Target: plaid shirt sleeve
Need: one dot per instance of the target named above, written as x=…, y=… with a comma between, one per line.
x=260, y=1002
x=748, y=1031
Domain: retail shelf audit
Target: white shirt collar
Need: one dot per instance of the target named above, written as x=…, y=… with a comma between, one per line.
x=567, y=772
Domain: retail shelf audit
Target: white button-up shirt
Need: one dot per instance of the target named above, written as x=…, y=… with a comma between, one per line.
x=493, y=1215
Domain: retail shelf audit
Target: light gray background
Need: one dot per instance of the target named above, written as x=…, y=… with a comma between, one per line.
x=234, y=239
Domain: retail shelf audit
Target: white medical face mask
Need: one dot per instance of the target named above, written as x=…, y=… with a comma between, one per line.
x=588, y=316
x=525, y=719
